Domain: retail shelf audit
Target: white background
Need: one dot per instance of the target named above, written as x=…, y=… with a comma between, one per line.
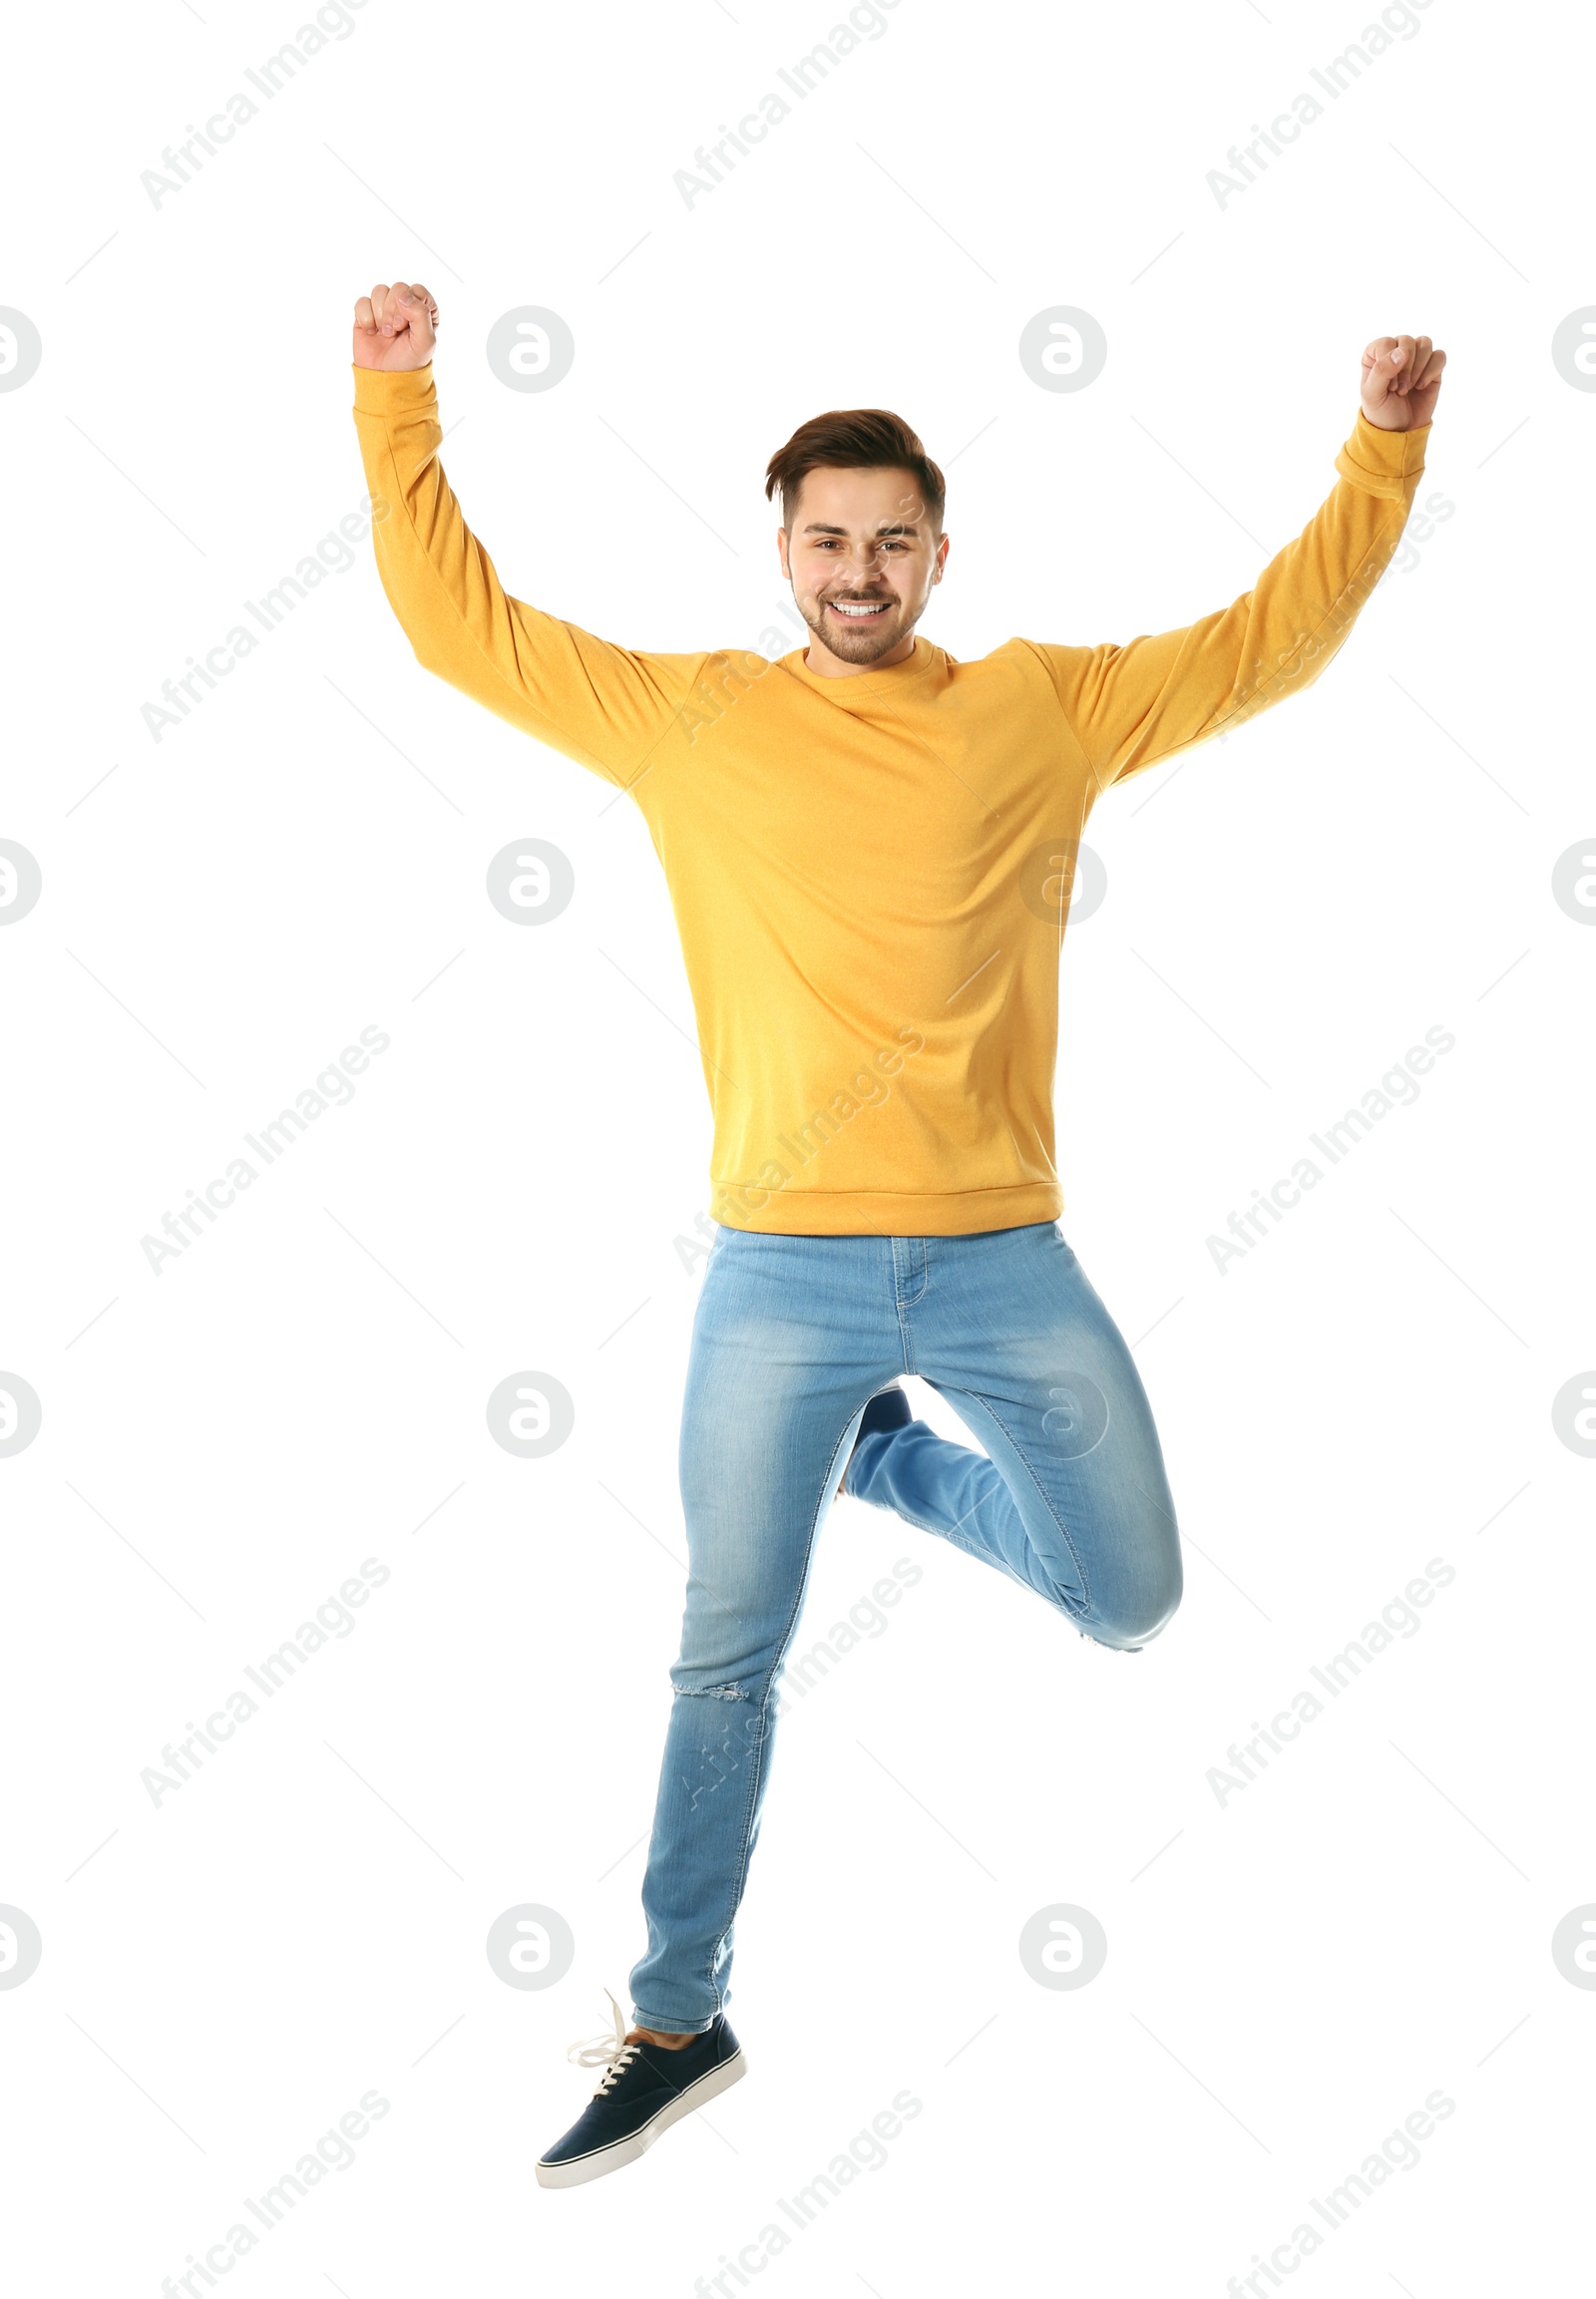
x=1289, y=1974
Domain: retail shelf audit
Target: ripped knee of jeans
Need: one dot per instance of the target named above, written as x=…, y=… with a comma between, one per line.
x=713, y=1691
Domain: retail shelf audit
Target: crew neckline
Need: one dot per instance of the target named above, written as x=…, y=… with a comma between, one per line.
x=915, y=665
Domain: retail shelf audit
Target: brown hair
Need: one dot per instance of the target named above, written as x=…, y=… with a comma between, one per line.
x=856, y=438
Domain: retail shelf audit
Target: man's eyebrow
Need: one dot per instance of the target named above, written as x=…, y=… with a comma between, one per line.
x=887, y=527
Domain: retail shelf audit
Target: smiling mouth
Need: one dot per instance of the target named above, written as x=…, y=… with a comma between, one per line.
x=861, y=610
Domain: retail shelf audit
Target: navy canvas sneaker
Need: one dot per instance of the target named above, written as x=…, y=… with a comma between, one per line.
x=887, y=1409
x=643, y=2091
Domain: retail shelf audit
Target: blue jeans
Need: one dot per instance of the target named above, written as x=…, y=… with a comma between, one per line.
x=792, y=1337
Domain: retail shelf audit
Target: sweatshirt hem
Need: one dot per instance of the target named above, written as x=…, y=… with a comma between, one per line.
x=883, y=1213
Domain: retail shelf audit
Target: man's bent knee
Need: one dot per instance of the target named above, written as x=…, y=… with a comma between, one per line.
x=1133, y=1620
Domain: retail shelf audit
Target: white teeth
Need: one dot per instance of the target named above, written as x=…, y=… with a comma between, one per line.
x=866, y=608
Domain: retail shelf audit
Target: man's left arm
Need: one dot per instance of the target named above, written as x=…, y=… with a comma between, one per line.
x=1132, y=706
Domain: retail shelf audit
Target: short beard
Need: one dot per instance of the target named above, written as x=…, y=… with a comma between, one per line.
x=866, y=645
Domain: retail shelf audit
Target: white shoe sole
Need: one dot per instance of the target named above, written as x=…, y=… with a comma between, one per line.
x=610, y=2159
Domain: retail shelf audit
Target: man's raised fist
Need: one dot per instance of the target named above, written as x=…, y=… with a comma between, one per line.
x=1401, y=381
x=395, y=327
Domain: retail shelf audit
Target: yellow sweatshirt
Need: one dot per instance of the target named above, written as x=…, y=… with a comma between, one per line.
x=869, y=874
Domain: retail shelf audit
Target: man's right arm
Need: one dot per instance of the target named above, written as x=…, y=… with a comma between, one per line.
x=604, y=706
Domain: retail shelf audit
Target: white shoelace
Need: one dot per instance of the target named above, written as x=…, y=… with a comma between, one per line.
x=611, y=2052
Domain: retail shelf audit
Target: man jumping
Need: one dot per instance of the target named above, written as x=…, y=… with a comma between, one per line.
x=869, y=847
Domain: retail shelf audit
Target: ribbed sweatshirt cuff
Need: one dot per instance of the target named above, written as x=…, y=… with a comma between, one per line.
x=380, y=391
x=1383, y=462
